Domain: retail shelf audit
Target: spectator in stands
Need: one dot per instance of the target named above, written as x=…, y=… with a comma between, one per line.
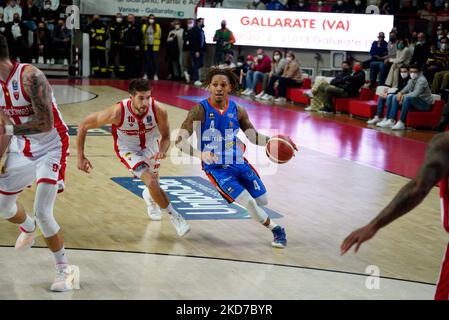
x=2, y=25
x=42, y=44
x=387, y=99
x=261, y=66
x=348, y=6
x=17, y=35
x=386, y=64
x=277, y=69
x=408, y=9
x=291, y=77
x=338, y=7
x=98, y=36
x=242, y=69
x=358, y=7
x=378, y=52
x=224, y=42
x=427, y=13
x=299, y=5
x=228, y=62
x=1, y=11
x=415, y=95
x=438, y=60
x=275, y=5
x=187, y=61
x=256, y=5
x=349, y=88
x=178, y=33
x=172, y=52
x=389, y=7
x=49, y=15
x=61, y=42
x=132, y=43
x=403, y=57
x=152, y=34
x=318, y=91
x=30, y=15
x=197, y=48
x=421, y=52
x=11, y=9
x=444, y=11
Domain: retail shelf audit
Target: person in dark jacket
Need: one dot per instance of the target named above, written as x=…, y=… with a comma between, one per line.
x=116, y=33
x=421, y=52
x=132, y=43
x=42, y=44
x=17, y=34
x=197, y=48
x=348, y=87
x=98, y=36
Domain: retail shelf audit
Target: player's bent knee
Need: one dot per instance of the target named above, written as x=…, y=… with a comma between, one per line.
x=47, y=223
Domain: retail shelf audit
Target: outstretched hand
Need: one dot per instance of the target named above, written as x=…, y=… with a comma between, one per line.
x=84, y=165
x=358, y=237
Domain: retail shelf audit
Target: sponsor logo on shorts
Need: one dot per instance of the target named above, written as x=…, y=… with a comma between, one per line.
x=195, y=198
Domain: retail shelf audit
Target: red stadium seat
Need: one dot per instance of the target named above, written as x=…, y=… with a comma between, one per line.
x=342, y=104
x=363, y=108
x=297, y=94
x=424, y=119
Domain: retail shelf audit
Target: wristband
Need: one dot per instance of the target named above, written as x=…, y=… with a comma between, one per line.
x=9, y=130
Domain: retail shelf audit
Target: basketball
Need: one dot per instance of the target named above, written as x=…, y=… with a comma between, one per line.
x=280, y=149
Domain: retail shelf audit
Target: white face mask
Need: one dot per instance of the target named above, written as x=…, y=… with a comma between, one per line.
x=177, y=26
x=288, y=59
x=260, y=56
x=443, y=46
x=47, y=6
x=190, y=25
x=239, y=64
x=339, y=3
x=357, y=3
x=2, y=29
x=320, y=3
x=276, y=57
x=413, y=76
x=119, y=20
x=151, y=21
x=404, y=75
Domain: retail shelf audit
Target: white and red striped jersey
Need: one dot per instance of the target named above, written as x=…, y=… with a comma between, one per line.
x=136, y=133
x=16, y=105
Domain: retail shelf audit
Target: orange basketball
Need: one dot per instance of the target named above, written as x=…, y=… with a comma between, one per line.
x=280, y=148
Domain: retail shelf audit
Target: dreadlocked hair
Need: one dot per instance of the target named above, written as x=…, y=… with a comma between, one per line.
x=233, y=79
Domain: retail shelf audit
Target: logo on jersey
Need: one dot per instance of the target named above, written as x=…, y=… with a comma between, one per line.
x=231, y=125
x=211, y=115
x=231, y=115
x=131, y=121
x=15, y=87
x=150, y=119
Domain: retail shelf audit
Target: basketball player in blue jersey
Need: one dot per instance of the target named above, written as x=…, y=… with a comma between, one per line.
x=222, y=158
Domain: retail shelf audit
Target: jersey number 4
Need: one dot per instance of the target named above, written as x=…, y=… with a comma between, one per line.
x=256, y=185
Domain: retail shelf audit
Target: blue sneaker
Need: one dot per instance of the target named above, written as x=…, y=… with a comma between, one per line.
x=280, y=238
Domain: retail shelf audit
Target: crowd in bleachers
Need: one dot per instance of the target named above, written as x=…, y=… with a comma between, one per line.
x=35, y=30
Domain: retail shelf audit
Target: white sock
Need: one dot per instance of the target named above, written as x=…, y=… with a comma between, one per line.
x=61, y=258
x=171, y=210
x=28, y=224
x=272, y=225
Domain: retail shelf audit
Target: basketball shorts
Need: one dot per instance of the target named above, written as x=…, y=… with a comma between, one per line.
x=20, y=172
x=231, y=180
x=140, y=161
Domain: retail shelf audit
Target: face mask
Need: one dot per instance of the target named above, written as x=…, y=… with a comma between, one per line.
x=260, y=56
x=1, y=19
x=404, y=75
x=400, y=46
x=339, y=3
x=288, y=59
x=177, y=26
x=357, y=68
x=413, y=75
x=190, y=25
x=119, y=20
x=301, y=4
x=446, y=5
x=151, y=21
x=276, y=58
x=2, y=29
x=320, y=3
x=47, y=6
x=357, y=3
x=440, y=36
x=250, y=63
x=443, y=46
x=239, y=64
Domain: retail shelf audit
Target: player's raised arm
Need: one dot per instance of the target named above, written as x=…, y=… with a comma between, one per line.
x=194, y=118
x=111, y=115
x=248, y=128
x=435, y=167
x=164, y=130
x=37, y=88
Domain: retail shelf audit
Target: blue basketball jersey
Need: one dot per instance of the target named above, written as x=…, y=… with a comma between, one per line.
x=219, y=134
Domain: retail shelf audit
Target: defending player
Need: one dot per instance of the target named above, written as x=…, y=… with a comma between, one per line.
x=141, y=139
x=222, y=160
x=435, y=169
x=38, y=148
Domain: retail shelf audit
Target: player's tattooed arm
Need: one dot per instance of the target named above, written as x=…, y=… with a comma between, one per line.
x=248, y=128
x=37, y=88
x=192, y=123
x=435, y=167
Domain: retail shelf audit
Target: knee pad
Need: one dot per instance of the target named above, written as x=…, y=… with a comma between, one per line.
x=262, y=200
x=47, y=223
x=7, y=210
x=248, y=202
x=43, y=209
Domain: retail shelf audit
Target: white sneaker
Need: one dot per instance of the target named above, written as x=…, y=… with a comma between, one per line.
x=309, y=108
x=145, y=77
x=398, y=126
x=187, y=76
x=387, y=124
x=47, y=61
x=179, y=223
x=244, y=93
x=382, y=122
x=33, y=61
x=66, y=279
x=25, y=240
x=374, y=120
x=153, y=210
x=248, y=93
x=52, y=61
x=260, y=95
x=66, y=62
x=156, y=78
x=280, y=100
x=40, y=60
x=198, y=83
x=267, y=97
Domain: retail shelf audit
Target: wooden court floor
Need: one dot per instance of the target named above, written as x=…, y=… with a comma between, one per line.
x=321, y=198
